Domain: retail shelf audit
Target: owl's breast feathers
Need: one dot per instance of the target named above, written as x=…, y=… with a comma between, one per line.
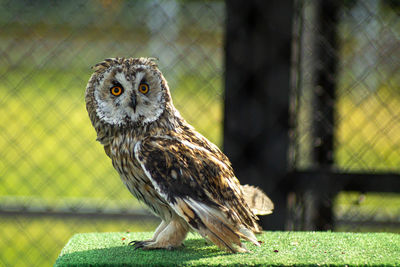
x=199, y=184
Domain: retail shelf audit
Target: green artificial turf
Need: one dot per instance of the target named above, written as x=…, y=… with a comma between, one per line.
x=277, y=249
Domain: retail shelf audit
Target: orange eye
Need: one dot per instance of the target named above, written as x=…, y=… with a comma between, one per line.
x=144, y=88
x=116, y=90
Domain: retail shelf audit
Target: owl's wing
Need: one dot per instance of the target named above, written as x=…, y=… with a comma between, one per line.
x=200, y=187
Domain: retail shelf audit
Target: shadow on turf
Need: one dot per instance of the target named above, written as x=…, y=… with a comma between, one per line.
x=127, y=255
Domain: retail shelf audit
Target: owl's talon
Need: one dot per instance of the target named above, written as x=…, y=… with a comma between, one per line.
x=150, y=245
x=133, y=243
x=138, y=244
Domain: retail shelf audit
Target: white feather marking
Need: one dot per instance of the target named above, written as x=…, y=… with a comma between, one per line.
x=233, y=186
x=207, y=211
x=249, y=234
x=196, y=147
x=204, y=209
x=193, y=146
x=155, y=185
x=142, y=67
x=139, y=75
x=174, y=175
x=136, y=150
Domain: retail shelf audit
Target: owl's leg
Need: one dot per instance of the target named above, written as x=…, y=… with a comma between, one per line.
x=170, y=237
x=159, y=229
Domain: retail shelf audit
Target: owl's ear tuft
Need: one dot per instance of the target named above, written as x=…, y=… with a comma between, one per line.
x=99, y=66
x=106, y=63
x=153, y=61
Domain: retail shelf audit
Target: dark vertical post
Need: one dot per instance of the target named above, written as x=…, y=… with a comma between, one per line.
x=325, y=74
x=258, y=42
x=326, y=50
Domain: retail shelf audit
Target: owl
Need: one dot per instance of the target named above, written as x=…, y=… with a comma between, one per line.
x=164, y=162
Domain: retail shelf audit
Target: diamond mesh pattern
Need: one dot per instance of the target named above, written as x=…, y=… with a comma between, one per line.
x=365, y=102
x=49, y=160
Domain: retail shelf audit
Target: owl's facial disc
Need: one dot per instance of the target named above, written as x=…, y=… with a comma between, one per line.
x=129, y=96
x=150, y=102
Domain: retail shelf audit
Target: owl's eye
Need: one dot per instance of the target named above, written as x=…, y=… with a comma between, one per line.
x=117, y=90
x=143, y=88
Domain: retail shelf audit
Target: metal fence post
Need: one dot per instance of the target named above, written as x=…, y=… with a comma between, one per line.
x=258, y=38
x=325, y=76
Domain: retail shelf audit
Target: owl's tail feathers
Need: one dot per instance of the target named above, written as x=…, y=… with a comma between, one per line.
x=258, y=201
x=213, y=225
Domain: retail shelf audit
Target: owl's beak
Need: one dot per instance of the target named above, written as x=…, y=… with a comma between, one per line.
x=133, y=103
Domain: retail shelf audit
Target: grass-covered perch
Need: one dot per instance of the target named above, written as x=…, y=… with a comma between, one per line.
x=277, y=249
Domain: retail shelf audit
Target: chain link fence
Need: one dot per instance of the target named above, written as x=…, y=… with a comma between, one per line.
x=55, y=180
x=50, y=164
x=346, y=70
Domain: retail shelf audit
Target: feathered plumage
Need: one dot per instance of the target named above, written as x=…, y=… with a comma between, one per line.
x=183, y=178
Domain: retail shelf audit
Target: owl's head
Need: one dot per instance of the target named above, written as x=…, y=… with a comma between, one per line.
x=128, y=91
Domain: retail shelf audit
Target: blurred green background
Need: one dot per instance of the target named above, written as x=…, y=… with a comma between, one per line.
x=50, y=161
x=49, y=157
